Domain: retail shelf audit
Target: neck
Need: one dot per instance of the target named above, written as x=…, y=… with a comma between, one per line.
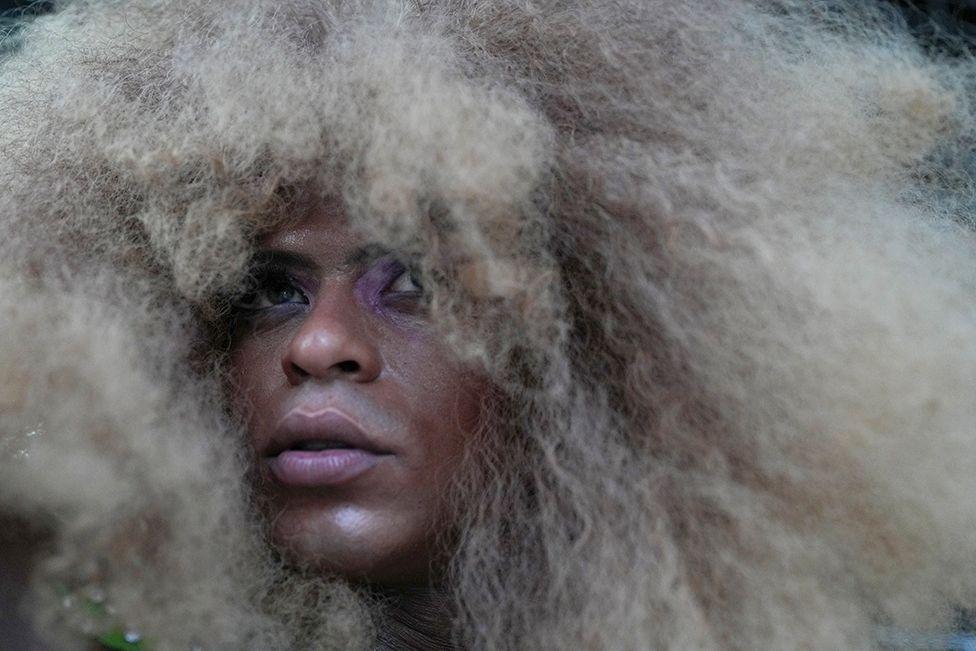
x=415, y=618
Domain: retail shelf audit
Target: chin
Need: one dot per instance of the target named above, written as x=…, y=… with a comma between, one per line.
x=354, y=544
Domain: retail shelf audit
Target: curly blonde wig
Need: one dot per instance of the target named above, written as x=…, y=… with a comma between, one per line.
x=717, y=257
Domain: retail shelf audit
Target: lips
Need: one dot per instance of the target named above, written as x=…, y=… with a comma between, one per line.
x=320, y=448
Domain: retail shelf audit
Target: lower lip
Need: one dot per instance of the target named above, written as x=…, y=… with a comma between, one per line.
x=305, y=468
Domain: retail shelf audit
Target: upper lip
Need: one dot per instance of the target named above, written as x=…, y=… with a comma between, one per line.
x=328, y=424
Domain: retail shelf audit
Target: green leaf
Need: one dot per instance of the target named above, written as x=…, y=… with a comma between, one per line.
x=115, y=641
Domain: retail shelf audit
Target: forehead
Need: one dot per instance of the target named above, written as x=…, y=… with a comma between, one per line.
x=321, y=233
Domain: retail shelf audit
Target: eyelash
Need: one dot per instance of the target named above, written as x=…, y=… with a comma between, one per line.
x=398, y=271
x=264, y=281
x=270, y=278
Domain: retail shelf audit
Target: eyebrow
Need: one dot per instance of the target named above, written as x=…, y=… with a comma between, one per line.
x=356, y=259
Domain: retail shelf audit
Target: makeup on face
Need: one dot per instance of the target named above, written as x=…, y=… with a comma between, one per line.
x=320, y=447
x=357, y=412
x=281, y=282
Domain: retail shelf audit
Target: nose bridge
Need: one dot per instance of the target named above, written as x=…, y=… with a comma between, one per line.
x=334, y=340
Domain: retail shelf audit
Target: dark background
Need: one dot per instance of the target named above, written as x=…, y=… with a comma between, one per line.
x=924, y=15
x=947, y=6
x=937, y=23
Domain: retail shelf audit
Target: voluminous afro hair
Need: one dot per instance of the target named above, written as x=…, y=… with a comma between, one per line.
x=717, y=257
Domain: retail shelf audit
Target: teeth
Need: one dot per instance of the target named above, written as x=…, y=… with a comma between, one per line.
x=313, y=446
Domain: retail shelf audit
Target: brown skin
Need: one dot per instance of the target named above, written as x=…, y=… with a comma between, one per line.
x=330, y=328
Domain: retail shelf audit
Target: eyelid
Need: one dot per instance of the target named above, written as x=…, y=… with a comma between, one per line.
x=397, y=268
x=270, y=266
x=279, y=270
x=286, y=260
x=262, y=275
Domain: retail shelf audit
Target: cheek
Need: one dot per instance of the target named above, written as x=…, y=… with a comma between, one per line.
x=444, y=402
x=252, y=369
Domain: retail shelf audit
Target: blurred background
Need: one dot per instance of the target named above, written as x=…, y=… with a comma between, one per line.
x=934, y=21
x=929, y=19
x=921, y=14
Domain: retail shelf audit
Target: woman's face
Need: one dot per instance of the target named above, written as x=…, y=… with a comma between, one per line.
x=357, y=413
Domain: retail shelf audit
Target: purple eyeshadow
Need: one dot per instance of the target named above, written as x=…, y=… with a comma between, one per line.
x=377, y=278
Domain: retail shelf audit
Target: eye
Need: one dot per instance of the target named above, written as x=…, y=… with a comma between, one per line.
x=270, y=288
x=405, y=282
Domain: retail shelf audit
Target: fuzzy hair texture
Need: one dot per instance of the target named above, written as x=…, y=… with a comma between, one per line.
x=717, y=257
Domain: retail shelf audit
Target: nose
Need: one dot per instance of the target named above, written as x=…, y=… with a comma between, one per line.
x=332, y=342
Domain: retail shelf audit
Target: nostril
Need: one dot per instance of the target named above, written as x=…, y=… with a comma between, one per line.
x=348, y=366
x=297, y=370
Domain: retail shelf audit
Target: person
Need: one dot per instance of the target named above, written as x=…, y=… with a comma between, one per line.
x=358, y=415
x=486, y=325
